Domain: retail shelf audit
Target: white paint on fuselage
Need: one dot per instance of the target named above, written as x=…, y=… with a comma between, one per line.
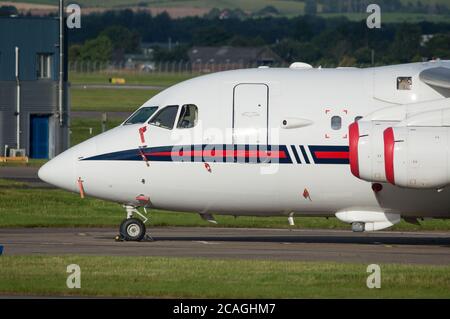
x=247, y=189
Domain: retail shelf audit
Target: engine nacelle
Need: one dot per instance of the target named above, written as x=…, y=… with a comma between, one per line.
x=368, y=220
x=366, y=151
x=417, y=157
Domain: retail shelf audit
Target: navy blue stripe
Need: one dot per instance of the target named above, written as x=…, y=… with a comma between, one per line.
x=302, y=148
x=332, y=148
x=297, y=158
x=136, y=154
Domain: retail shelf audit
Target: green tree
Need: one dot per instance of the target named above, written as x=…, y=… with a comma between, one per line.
x=122, y=39
x=6, y=11
x=242, y=41
x=75, y=52
x=295, y=51
x=347, y=61
x=406, y=44
x=211, y=36
x=310, y=7
x=98, y=50
x=439, y=46
x=178, y=53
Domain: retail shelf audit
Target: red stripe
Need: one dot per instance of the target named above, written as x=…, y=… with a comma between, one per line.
x=222, y=153
x=332, y=155
x=389, y=144
x=353, y=148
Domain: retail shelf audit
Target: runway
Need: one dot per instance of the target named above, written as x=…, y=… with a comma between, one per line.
x=24, y=174
x=275, y=244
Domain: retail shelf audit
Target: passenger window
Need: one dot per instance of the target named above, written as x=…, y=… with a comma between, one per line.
x=141, y=115
x=336, y=123
x=165, y=118
x=404, y=83
x=188, y=116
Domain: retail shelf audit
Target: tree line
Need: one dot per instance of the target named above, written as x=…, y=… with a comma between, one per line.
x=308, y=38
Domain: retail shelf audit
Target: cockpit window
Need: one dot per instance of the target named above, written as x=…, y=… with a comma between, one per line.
x=141, y=115
x=165, y=118
x=188, y=116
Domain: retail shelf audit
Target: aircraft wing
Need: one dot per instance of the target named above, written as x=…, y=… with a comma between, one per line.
x=438, y=76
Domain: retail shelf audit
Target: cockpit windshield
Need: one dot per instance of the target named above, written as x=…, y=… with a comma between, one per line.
x=141, y=115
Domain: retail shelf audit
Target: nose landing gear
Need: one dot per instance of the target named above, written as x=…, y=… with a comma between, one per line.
x=132, y=229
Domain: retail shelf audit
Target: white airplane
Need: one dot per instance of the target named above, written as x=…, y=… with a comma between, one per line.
x=369, y=146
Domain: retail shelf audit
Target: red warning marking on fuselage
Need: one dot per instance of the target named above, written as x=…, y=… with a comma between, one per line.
x=208, y=168
x=81, y=187
x=306, y=194
x=142, y=130
x=144, y=157
x=143, y=198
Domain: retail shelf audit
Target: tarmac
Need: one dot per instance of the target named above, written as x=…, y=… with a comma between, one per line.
x=431, y=248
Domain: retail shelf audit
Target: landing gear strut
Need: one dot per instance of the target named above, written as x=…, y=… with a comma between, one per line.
x=132, y=229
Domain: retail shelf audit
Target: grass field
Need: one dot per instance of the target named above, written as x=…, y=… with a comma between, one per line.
x=289, y=8
x=156, y=79
x=283, y=6
x=394, y=17
x=210, y=278
x=22, y=206
x=99, y=99
x=80, y=129
x=109, y=99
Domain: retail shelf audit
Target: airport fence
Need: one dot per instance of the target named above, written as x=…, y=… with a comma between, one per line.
x=174, y=67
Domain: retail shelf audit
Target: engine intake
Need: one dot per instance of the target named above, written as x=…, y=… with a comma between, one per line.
x=366, y=150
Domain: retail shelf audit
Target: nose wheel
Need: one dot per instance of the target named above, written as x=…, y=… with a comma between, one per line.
x=132, y=229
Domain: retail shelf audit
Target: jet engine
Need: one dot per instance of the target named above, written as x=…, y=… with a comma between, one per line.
x=366, y=151
x=417, y=157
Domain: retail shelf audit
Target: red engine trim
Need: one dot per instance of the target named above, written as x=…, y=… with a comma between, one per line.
x=353, y=137
x=389, y=144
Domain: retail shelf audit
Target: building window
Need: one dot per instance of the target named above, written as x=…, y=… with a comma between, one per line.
x=165, y=118
x=188, y=116
x=44, y=63
x=336, y=123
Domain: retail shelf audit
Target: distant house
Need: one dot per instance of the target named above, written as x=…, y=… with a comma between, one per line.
x=207, y=59
x=144, y=60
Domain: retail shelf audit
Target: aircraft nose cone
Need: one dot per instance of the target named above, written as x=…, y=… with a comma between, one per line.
x=60, y=172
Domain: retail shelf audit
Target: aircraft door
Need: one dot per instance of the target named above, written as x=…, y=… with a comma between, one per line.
x=250, y=114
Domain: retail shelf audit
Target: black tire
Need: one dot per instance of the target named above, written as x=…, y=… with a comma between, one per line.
x=132, y=229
